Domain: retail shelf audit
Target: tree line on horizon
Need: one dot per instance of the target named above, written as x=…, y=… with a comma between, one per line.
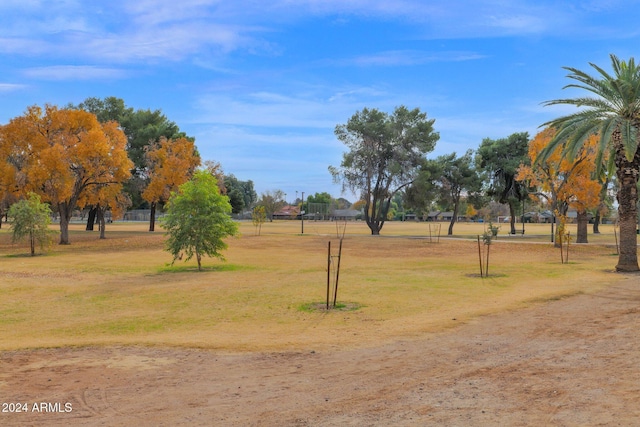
x=101, y=155
x=572, y=162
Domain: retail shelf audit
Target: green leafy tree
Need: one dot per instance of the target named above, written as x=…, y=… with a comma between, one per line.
x=272, y=201
x=197, y=219
x=457, y=177
x=241, y=193
x=385, y=154
x=421, y=194
x=613, y=113
x=31, y=219
x=500, y=160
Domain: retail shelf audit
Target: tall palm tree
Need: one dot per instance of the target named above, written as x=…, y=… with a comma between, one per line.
x=613, y=114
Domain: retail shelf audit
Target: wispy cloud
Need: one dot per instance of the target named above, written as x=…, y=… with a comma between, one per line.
x=10, y=87
x=143, y=30
x=319, y=109
x=407, y=58
x=74, y=72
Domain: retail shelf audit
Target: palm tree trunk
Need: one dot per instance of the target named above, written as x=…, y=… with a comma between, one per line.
x=627, y=173
x=583, y=226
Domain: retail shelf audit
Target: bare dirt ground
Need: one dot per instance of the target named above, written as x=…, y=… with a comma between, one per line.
x=569, y=362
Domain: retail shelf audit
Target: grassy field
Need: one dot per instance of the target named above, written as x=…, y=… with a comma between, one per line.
x=402, y=284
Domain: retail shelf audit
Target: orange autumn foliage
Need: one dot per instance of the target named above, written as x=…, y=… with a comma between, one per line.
x=171, y=164
x=61, y=154
x=566, y=183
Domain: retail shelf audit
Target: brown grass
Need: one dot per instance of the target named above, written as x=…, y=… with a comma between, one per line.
x=122, y=291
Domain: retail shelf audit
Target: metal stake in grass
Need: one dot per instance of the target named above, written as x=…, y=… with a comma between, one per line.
x=487, y=238
x=337, y=269
x=328, y=271
x=436, y=230
x=335, y=289
x=480, y=256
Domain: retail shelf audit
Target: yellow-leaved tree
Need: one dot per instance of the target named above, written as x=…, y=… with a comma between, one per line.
x=171, y=163
x=562, y=182
x=60, y=154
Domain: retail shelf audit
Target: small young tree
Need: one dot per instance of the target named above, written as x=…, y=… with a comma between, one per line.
x=197, y=219
x=31, y=219
x=258, y=217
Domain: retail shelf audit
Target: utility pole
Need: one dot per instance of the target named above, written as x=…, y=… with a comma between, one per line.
x=302, y=212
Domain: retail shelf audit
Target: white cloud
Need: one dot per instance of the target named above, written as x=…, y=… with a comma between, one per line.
x=133, y=31
x=409, y=58
x=10, y=87
x=74, y=72
x=270, y=109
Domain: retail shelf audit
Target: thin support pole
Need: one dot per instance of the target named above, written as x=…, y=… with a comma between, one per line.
x=328, y=272
x=480, y=256
x=335, y=289
x=486, y=267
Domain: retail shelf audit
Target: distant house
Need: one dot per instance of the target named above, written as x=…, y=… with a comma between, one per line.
x=443, y=216
x=410, y=217
x=447, y=216
x=287, y=212
x=544, y=217
x=433, y=216
x=344, y=214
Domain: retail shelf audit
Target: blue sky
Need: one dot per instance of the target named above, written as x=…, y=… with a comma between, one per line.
x=262, y=84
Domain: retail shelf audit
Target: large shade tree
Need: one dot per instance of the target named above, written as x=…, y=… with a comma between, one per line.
x=500, y=159
x=106, y=110
x=60, y=154
x=562, y=182
x=142, y=128
x=385, y=155
x=171, y=164
x=612, y=111
x=456, y=178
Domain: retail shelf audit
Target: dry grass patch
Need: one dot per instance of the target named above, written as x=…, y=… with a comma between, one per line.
x=122, y=291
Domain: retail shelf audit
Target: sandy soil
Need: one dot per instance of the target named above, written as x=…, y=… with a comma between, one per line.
x=571, y=362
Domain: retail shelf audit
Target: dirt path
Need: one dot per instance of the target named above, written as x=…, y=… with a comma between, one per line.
x=572, y=362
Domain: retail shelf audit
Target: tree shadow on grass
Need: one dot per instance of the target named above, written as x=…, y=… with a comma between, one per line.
x=322, y=307
x=167, y=268
x=26, y=255
x=490, y=276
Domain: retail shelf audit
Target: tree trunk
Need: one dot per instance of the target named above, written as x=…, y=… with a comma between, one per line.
x=373, y=221
x=32, y=241
x=583, y=225
x=453, y=219
x=100, y=211
x=627, y=173
x=152, y=218
x=512, y=212
x=65, y=218
x=596, y=223
x=91, y=218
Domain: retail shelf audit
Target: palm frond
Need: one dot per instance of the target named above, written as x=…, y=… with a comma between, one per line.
x=629, y=139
